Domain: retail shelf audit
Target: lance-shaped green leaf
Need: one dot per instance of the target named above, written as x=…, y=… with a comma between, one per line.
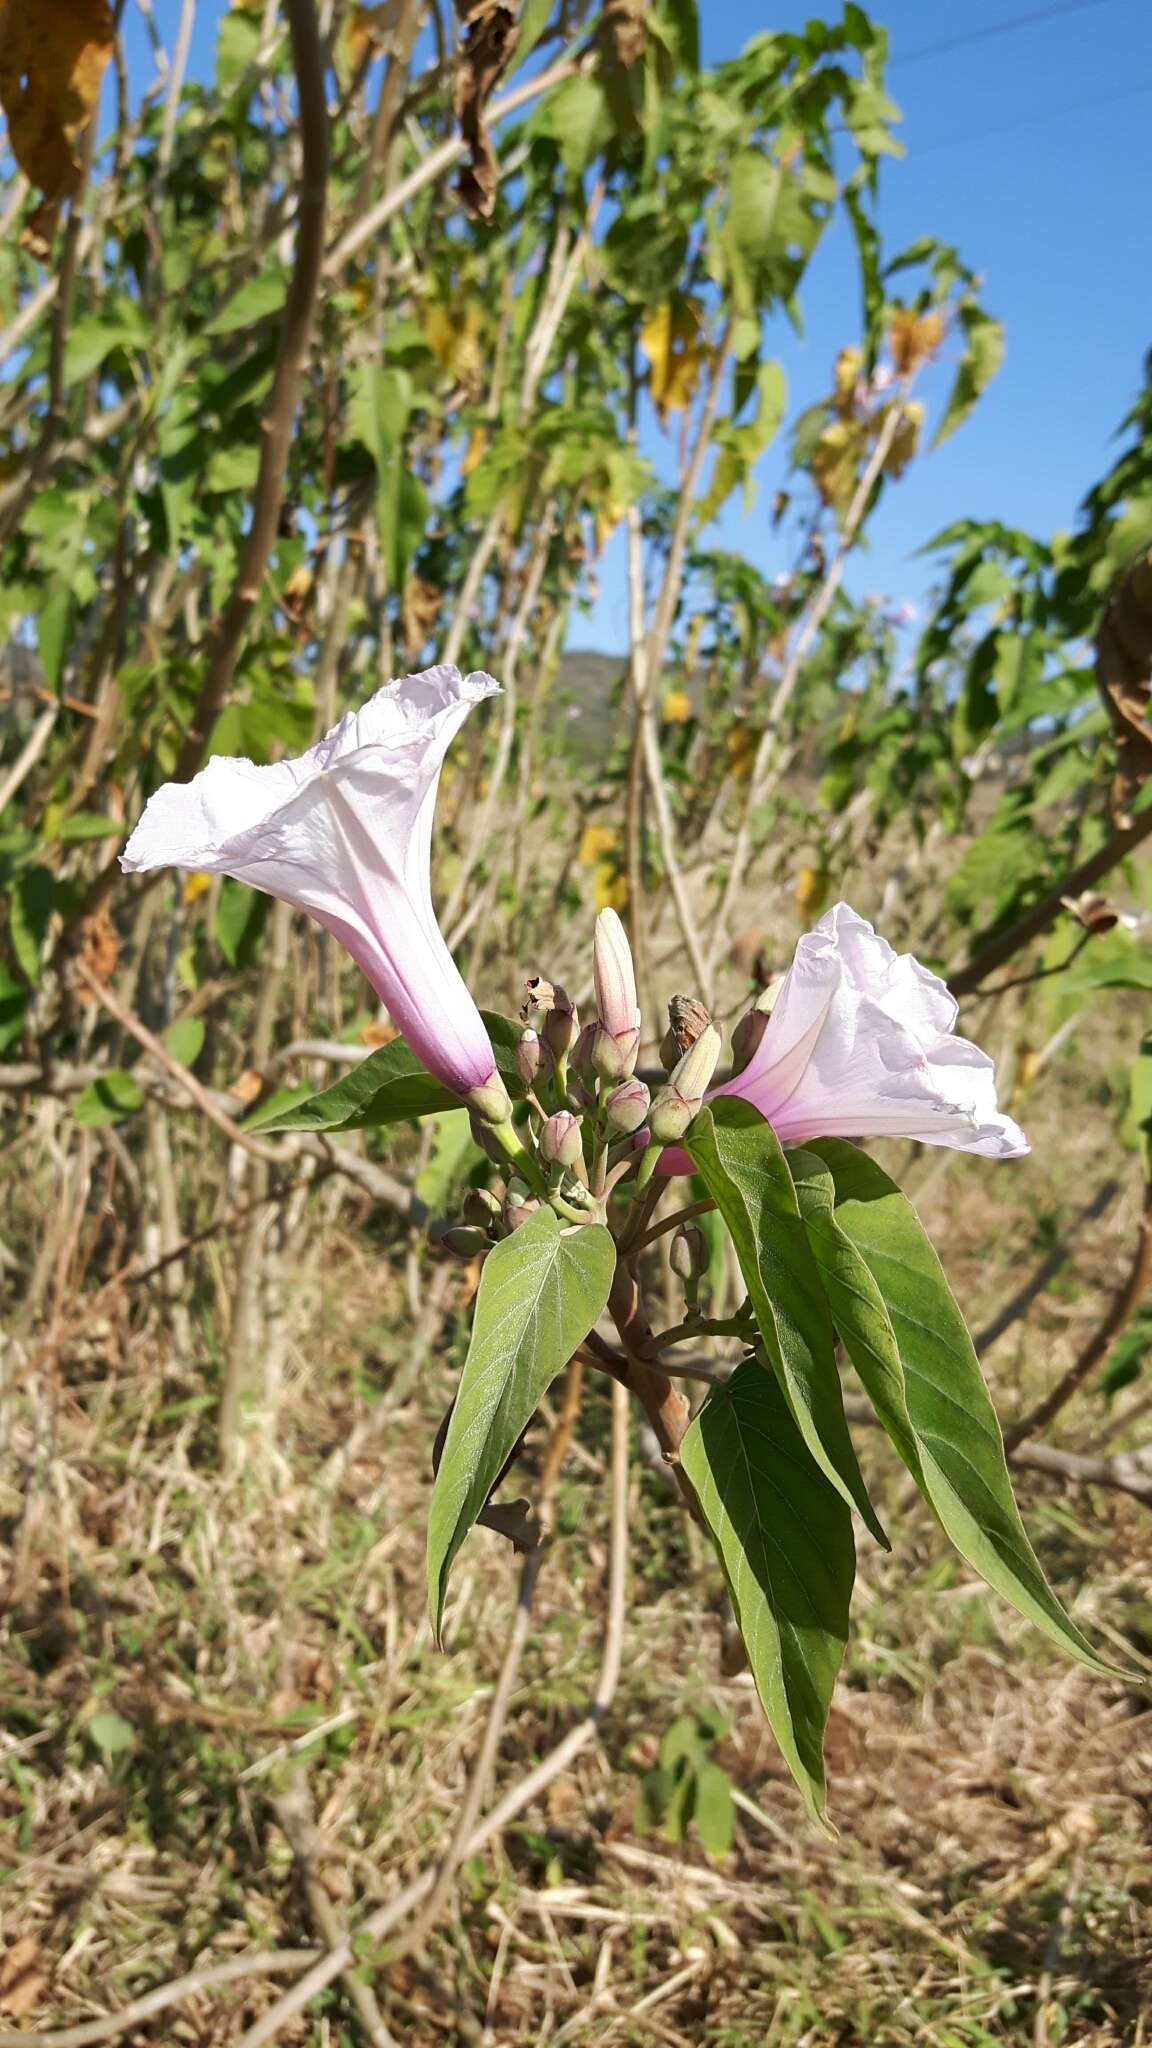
x=540, y=1293
x=387, y=1088
x=785, y=1540
x=739, y=1158
x=910, y=1345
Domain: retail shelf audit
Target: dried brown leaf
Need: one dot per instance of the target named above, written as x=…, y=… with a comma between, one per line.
x=491, y=33
x=52, y=60
x=22, y=1977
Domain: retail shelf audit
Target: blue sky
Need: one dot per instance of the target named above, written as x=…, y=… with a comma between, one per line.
x=1031, y=150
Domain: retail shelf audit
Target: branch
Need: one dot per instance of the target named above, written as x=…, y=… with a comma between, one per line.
x=1119, y=1313
x=992, y=952
x=276, y=429
x=1126, y=1472
x=438, y=161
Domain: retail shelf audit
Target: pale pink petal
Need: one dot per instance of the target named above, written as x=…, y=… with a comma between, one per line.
x=344, y=833
x=860, y=1043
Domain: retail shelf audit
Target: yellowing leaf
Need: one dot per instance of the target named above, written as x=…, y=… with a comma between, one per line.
x=52, y=59
x=811, y=889
x=677, y=707
x=906, y=439
x=836, y=460
x=597, y=840
x=742, y=744
x=476, y=450
x=455, y=336
x=849, y=364
x=369, y=29
x=672, y=338
x=196, y=885
x=609, y=887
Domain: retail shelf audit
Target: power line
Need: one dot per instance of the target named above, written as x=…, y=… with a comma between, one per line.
x=1035, y=19
x=1105, y=99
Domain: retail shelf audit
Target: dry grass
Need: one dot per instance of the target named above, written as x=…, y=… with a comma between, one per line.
x=993, y=1875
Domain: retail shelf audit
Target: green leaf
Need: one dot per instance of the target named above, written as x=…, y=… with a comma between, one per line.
x=257, y=300
x=452, y=1148
x=713, y=1810
x=13, y=1007
x=36, y=893
x=381, y=404
x=240, y=917
x=785, y=1542
x=739, y=1158
x=575, y=115
x=112, y=1734
x=540, y=1292
x=185, y=1040
x=534, y=17
x=389, y=1087
x=109, y=1100
x=982, y=357
x=910, y=1345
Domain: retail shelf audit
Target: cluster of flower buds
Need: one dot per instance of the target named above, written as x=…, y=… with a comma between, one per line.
x=593, y=1124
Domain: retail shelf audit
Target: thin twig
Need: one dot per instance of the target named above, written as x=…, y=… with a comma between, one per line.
x=1116, y=1317
x=276, y=428
x=260, y=1963
x=438, y=161
x=296, y=1815
x=992, y=951
x=28, y=756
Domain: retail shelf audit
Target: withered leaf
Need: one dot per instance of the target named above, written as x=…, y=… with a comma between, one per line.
x=1124, y=680
x=491, y=33
x=22, y=1977
x=52, y=60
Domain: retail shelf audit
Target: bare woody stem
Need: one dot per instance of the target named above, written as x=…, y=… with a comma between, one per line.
x=1119, y=1313
x=276, y=430
x=993, y=951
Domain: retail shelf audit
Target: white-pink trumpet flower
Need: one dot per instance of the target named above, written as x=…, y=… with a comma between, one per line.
x=345, y=833
x=861, y=1044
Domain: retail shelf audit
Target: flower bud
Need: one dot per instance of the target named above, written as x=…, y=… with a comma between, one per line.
x=686, y=1020
x=746, y=1037
x=490, y=1100
x=581, y=1056
x=560, y=1140
x=464, y=1240
x=616, y=1007
x=688, y=1254
x=480, y=1207
x=519, y=1204
x=561, y=1024
x=676, y=1104
x=529, y=1057
x=613, y=1057
x=627, y=1106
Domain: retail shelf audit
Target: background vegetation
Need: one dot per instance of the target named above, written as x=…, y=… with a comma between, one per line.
x=346, y=359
